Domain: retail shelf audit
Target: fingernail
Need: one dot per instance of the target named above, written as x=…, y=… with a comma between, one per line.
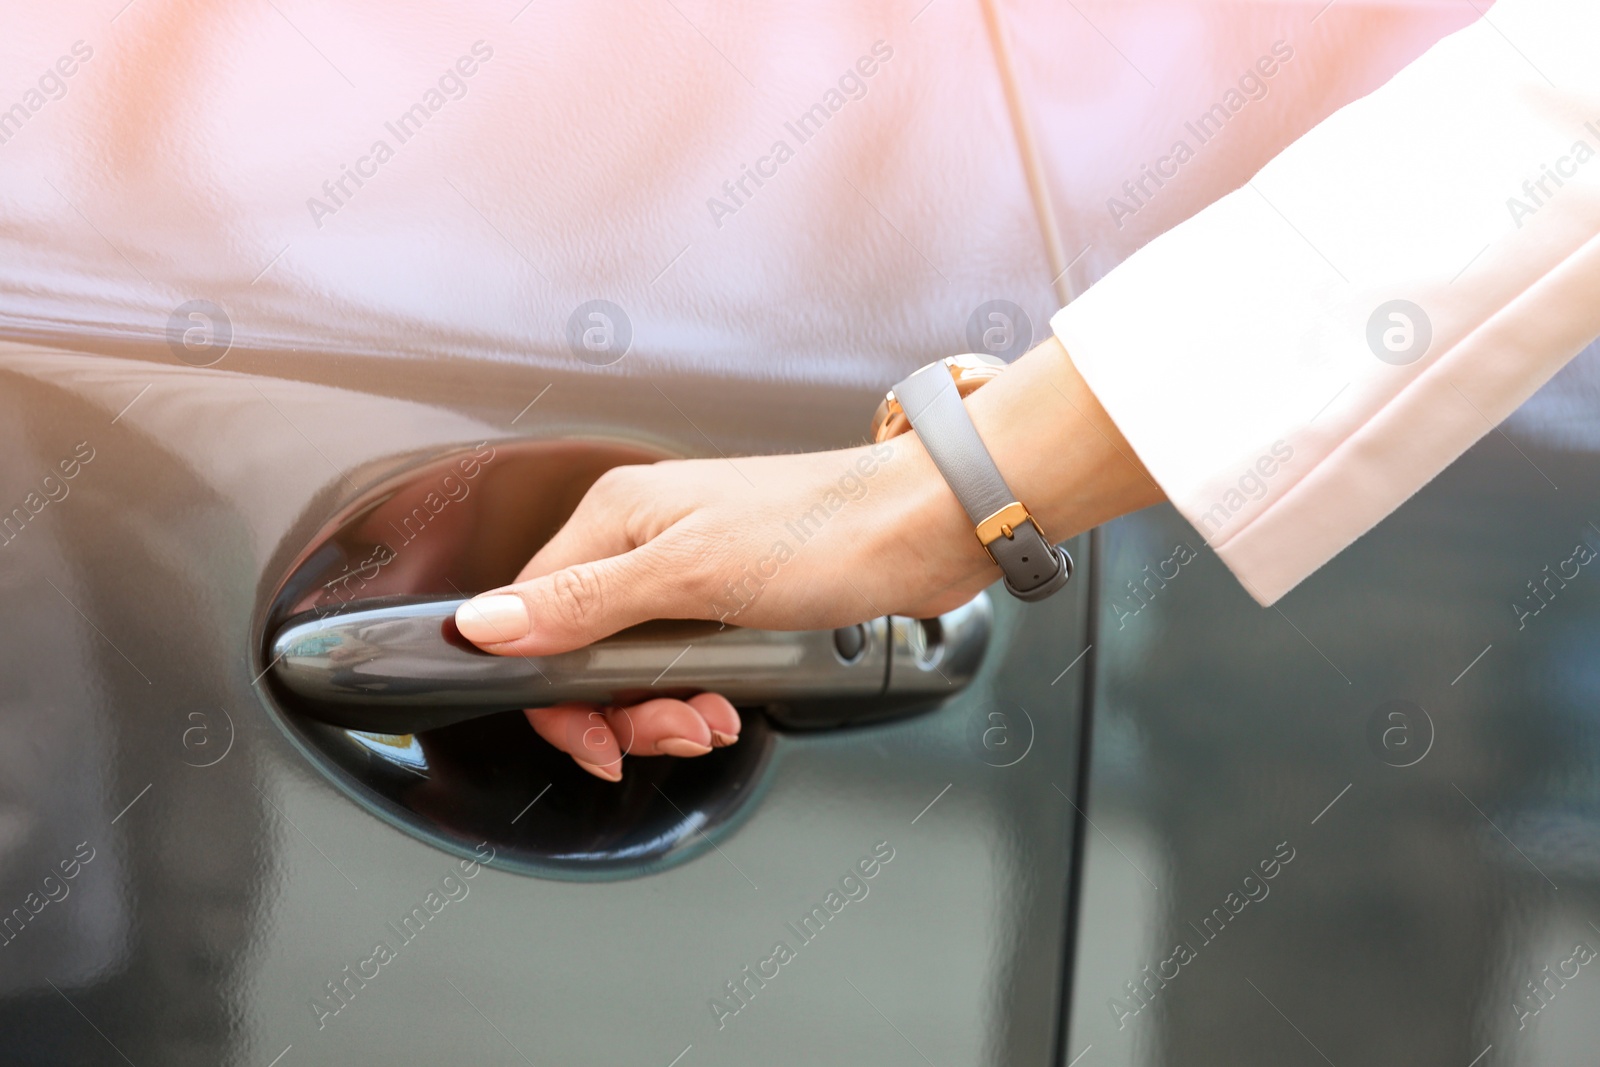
x=681, y=746
x=493, y=619
x=610, y=772
x=722, y=740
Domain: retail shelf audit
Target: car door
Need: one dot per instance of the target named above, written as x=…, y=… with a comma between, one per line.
x=275, y=270
x=279, y=273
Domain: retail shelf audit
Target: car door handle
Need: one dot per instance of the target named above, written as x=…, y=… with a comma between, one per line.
x=398, y=665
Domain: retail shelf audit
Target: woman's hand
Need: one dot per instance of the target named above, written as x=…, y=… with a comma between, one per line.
x=810, y=541
x=793, y=542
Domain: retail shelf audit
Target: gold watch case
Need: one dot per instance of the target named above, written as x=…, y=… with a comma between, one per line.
x=970, y=372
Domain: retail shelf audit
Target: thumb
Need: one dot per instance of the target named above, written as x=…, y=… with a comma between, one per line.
x=571, y=607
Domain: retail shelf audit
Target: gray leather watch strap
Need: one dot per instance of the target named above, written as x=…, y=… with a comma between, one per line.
x=1033, y=567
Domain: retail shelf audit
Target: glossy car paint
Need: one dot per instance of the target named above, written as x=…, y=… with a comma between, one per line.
x=230, y=882
x=242, y=882
x=1417, y=723
x=236, y=891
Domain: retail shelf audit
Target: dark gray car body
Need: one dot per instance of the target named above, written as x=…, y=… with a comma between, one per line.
x=229, y=876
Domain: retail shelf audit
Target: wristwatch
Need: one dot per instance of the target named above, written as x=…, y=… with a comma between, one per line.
x=929, y=401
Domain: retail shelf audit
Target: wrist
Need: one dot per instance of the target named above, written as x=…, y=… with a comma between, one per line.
x=1061, y=456
x=1057, y=447
x=928, y=523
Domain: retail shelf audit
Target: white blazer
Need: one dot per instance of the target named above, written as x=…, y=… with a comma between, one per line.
x=1300, y=357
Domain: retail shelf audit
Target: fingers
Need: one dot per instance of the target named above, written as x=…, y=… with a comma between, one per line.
x=661, y=727
x=606, y=522
x=666, y=727
x=719, y=715
x=597, y=739
x=583, y=732
x=576, y=606
x=595, y=531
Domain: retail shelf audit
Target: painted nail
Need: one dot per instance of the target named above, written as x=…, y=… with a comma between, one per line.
x=722, y=740
x=681, y=746
x=493, y=619
x=611, y=772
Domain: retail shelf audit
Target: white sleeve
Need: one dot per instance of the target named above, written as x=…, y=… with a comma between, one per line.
x=1299, y=358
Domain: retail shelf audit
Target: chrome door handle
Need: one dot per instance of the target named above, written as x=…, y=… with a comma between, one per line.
x=398, y=665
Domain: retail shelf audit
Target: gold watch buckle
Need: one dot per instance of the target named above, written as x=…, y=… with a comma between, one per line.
x=1004, y=523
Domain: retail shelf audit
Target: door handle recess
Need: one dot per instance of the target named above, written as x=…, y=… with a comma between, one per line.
x=398, y=665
